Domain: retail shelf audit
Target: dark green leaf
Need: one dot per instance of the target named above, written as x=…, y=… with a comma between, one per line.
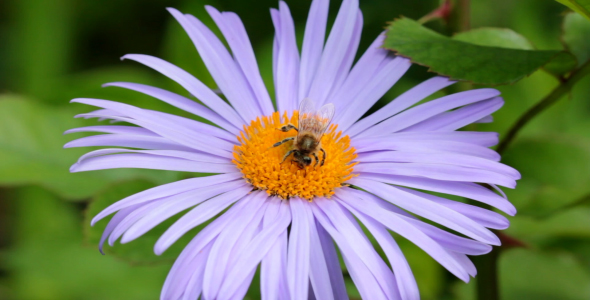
x=561, y=64
x=46, y=259
x=31, y=151
x=576, y=36
x=495, y=37
x=571, y=223
x=528, y=274
x=429, y=274
x=139, y=251
x=554, y=170
x=461, y=60
x=580, y=6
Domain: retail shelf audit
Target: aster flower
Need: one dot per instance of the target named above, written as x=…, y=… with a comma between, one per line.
x=293, y=220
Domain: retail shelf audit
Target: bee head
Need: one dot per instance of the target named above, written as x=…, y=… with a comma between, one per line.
x=306, y=160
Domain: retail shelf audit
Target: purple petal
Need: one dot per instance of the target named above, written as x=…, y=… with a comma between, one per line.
x=170, y=127
x=194, y=286
x=437, y=171
x=235, y=34
x=124, y=140
x=273, y=276
x=429, y=210
x=423, y=146
x=361, y=73
x=486, y=119
x=287, y=66
x=117, y=129
x=359, y=243
x=362, y=276
x=243, y=289
x=485, y=139
x=186, y=275
x=463, y=189
x=115, y=220
x=333, y=263
x=197, y=216
x=147, y=161
x=193, y=155
x=344, y=68
x=174, y=205
x=427, y=110
x=313, y=44
x=405, y=100
x=298, y=256
x=180, y=102
x=483, y=216
x=403, y=274
x=393, y=69
x=276, y=22
x=165, y=191
x=450, y=241
x=130, y=219
x=399, y=225
x=152, y=116
x=205, y=238
x=334, y=51
x=445, y=239
x=465, y=262
x=218, y=262
x=319, y=275
x=455, y=119
x=253, y=252
x=192, y=85
x=221, y=66
x=458, y=160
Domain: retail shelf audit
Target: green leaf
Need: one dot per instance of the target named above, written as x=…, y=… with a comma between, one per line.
x=461, y=60
x=494, y=37
x=555, y=172
x=528, y=274
x=580, y=6
x=31, y=151
x=139, y=251
x=576, y=36
x=561, y=64
x=572, y=223
x=46, y=252
x=428, y=273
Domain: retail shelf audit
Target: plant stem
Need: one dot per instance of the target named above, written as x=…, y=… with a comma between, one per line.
x=565, y=86
x=487, y=275
x=487, y=265
x=464, y=20
x=460, y=16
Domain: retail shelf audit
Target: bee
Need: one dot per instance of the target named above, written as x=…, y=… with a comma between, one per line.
x=312, y=125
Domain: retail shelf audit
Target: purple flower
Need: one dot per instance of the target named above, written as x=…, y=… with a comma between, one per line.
x=291, y=218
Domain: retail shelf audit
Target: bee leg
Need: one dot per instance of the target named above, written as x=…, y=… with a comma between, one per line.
x=317, y=160
x=288, y=127
x=283, y=141
x=287, y=155
x=324, y=156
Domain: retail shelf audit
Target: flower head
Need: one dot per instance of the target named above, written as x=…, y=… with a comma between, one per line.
x=293, y=183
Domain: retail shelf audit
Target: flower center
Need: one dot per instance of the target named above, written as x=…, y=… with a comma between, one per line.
x=261, y=165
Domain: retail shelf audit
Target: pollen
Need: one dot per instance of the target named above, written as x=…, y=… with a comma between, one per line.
x=260, y=162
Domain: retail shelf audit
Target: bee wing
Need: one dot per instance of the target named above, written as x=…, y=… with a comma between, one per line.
x=306, y=108
x=312, y=121
x=325, y=113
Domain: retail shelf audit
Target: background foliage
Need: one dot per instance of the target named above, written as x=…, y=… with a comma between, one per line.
x=54, y=50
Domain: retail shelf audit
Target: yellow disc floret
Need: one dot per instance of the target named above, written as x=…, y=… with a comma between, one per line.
x=261, y=165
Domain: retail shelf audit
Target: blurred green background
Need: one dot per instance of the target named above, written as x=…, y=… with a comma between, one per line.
x=54, y=50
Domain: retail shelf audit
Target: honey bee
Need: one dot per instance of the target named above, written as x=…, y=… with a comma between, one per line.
x=312, y=125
